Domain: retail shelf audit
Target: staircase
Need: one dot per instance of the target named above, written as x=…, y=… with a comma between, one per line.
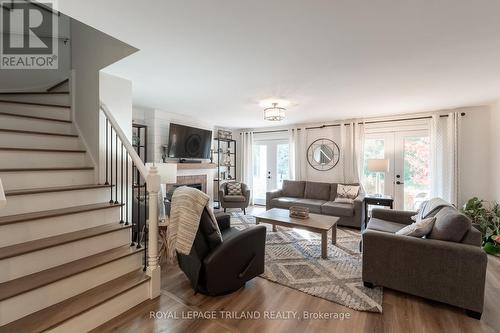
x=66, y=261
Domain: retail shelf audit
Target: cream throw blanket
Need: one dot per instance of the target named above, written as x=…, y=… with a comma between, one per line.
x=187, y=206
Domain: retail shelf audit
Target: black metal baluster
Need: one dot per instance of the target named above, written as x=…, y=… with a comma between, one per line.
x=145, y=226
x=111, y=164
x=107, y=124
x=116, y=168
x=138, y=236
x=127, y=206
x=121, y=186
x=134, y=201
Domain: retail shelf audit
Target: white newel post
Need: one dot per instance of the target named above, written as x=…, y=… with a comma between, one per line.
x=153, y=269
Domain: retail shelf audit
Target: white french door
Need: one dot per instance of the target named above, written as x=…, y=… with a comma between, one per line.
x=408, y=179
x=270, y=167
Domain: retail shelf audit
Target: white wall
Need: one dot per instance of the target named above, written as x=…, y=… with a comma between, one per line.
x=91, y=51
x=475, y=155
x=116, y=93
x=41, y=79
x=495, y=151
x=480, y=144
x=158, y=122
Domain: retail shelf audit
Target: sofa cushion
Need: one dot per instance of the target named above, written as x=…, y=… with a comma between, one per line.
x=337, y=209
x=333, y=191
x=450, y=225
x=293, y=188
x=283, y=202
x=418, y=229
x=385, y=226
x=234, y=198
x=315, y=190
x=314, y=205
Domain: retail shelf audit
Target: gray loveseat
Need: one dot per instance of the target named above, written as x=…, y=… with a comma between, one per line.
x=448, y=265
x=318, y=197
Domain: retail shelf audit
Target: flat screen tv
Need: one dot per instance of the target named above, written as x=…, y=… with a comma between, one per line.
x=189, y=142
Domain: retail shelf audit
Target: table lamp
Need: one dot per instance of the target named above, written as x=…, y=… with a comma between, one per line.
x=378, y=166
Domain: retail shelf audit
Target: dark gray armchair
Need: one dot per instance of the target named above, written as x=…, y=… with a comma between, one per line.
x=234, y=201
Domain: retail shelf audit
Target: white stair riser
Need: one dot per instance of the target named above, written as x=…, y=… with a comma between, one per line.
x=36, y=110
x=59, y=99
x=42, y=159
x=27, y=203
x=37, y=299
x=30, y=124
x=37, y=179
x=21, y=232
x=24, y=140
x=29, y=263
x=98, y=315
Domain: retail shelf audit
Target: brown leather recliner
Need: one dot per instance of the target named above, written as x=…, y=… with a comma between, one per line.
x=217, y=268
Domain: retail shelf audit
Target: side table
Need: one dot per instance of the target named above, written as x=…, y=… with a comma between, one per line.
x=382, y=200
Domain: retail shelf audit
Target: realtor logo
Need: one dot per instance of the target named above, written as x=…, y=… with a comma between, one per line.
x=29, y=35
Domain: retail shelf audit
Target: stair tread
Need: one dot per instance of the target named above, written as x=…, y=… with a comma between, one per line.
x=36, y=280
x=34, y=92
x=54, y=189
x=35, y=103
x=36, y=132
x=58, y=313
x=45, y=169
x=44, y=150
x=34, y=117
x=9, y=219
x=44, y=243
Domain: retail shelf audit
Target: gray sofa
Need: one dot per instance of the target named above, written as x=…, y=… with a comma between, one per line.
x=448, y=265
x=318, y=197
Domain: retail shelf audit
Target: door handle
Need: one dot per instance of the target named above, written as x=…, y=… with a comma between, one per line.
x=268, y=177
x=399, y=183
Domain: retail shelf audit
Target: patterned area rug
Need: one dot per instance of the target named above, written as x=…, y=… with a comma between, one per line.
x=293, y=259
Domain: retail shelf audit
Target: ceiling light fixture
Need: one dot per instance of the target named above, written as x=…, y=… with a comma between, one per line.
x=274, y=112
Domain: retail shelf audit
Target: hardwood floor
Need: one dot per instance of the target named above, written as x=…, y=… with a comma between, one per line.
x=402, y=313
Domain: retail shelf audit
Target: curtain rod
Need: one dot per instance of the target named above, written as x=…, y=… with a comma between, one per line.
x=366, y=122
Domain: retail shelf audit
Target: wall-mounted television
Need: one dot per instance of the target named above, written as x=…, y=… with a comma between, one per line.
x=189, y=142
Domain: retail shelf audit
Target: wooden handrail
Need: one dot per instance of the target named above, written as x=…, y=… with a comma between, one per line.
x=126, y=143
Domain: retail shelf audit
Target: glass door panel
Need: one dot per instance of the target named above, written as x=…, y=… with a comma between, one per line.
x=259, y=160
x=413, y=173
x=270, y=167
x=374, y=149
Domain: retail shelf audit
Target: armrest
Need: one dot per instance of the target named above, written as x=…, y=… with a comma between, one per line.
x=449, y=272
x=271, y=195
x=359, y=209
x=234, y=255
x=223, y=221
x=398, y=216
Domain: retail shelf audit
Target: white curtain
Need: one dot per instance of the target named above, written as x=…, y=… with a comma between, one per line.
x=445, y=173
x=296, y=153
x=246, y=161
x=351, y=151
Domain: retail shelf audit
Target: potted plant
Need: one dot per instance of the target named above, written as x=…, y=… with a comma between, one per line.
x=486, y=216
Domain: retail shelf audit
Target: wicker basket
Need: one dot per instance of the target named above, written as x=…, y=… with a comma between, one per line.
x=299, y=212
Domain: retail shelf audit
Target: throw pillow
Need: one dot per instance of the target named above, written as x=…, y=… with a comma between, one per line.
x=347, y=192
x=233, y=188
x=418, y=229
x=450, y=225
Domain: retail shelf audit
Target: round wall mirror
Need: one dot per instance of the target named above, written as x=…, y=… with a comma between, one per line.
x=323, y=154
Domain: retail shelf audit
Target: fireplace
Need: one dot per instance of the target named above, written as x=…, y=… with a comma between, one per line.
x=196, y=181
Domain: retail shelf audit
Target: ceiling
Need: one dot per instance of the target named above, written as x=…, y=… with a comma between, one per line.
x=333, y=59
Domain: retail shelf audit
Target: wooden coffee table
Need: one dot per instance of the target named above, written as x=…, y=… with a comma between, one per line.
x=315, y=223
